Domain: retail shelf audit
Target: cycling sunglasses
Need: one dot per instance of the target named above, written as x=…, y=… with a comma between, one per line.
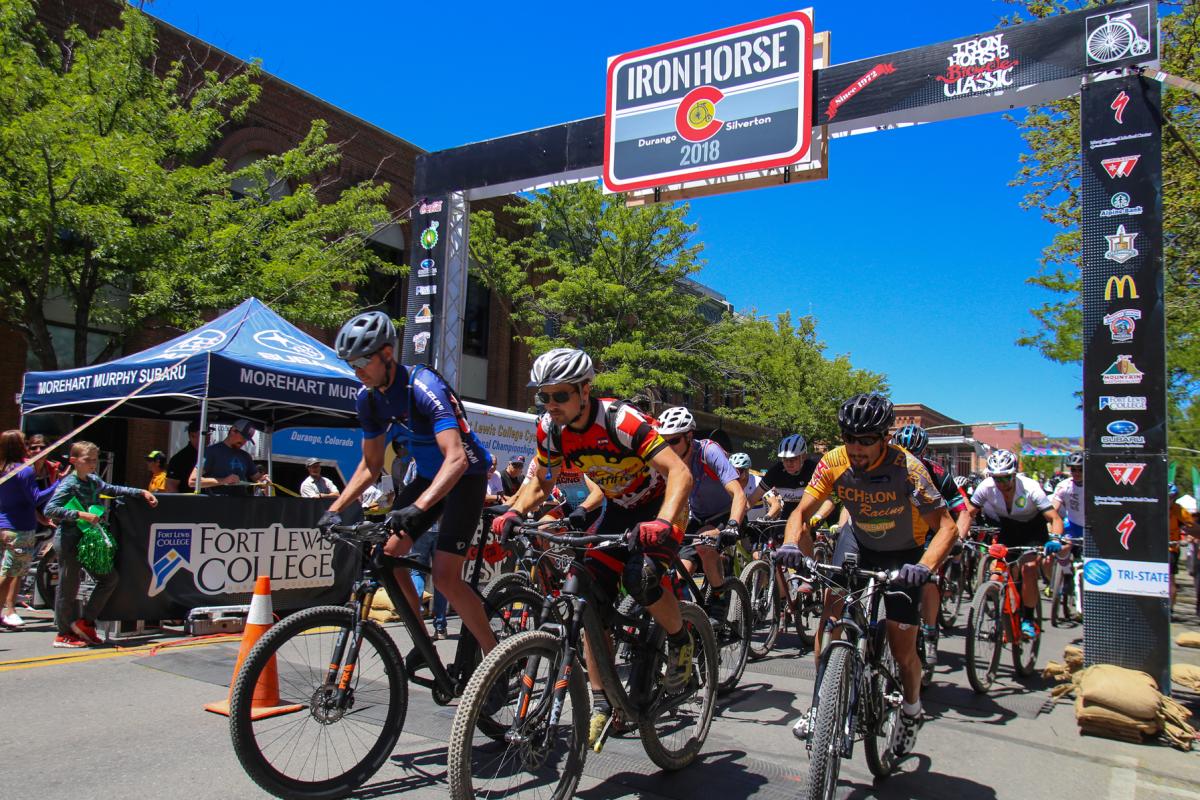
x=863, y=441
x=362, y=361
x=557, y=397
x=675, y=439
x=1003, y=478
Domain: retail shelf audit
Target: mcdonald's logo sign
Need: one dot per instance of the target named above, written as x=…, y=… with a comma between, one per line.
x=1119, y=287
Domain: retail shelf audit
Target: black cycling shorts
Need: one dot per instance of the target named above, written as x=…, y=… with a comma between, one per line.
x=688, y=551
x=1030, y=533
x=904, y=608
x=458, y=512
x=606, y=562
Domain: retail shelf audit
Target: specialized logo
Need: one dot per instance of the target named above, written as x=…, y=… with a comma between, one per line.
x=424, y=316
x=286, y=343
x=1118, y=106
x=1125, y=528
x=1120, y=167
x=1097, y=572
x=1123, y=473
x=429, y=236
x=1121, y=324
x=1122, y=433
x=1122, y=403
x=1119, y=286
x=198, y=342
x=1120, y=203
x=696, y=117
x=227, y=560
x=1120, y=246
x=1123, y=370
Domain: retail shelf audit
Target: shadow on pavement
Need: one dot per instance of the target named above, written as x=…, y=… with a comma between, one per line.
x=713, y=774
x=751, y=698
x=921, y=783
x=423, y=769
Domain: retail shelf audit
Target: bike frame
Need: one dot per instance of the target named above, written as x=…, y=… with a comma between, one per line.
x=1001, y=573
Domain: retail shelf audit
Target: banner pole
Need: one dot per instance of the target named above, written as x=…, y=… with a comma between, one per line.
x=203, y=443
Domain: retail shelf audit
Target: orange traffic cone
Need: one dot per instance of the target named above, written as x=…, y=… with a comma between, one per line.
x=265, y=702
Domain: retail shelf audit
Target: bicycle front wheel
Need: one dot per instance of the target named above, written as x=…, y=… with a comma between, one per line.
x=985, y=636
x=883, y=717
x=764, y=608
x=732, y=634
x=831, y=730
x=316, y=745
x=676, y=726
x=1025, y=651
x=542, y=756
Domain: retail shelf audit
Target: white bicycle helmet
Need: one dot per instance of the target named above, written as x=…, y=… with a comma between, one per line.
x=676, y=420
x=740, y=460
x=792, y=446
x=561, y=365
x=1002, y=462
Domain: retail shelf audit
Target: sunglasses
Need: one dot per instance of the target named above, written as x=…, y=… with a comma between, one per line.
x=362, y=361
x=863, y=441
x=557, y=397
x=1003, y=478
x=674, y=440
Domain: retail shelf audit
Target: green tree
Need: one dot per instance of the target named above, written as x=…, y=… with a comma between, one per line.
x=106, y=200
x=587, y=271
x=1050, y=171
x=786, y=380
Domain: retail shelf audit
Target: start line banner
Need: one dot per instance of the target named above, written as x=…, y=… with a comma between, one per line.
x=194, y=551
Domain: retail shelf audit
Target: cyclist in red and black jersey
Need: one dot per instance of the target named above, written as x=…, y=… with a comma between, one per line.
x=646, y=486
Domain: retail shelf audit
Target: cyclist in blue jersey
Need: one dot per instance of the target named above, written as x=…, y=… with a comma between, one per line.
x=414, y=407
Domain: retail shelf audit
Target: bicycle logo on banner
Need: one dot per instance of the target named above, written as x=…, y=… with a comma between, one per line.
x=1111, y=37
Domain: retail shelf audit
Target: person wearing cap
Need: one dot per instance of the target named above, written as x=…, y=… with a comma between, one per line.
x=227, y=466
x=316, y=484
x=156, y=462
x=513, y=475
x=183, y=462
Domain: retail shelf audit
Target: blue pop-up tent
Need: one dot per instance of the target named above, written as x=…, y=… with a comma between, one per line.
x=249, y=363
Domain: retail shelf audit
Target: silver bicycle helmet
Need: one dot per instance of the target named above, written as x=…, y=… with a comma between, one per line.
x=676, y=420
x=1002, y=462
x=561, y=365
x=740, y=460
x=792, y=446
x=365, y=334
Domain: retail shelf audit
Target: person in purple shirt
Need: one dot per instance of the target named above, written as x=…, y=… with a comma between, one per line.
x=20, y=499
x=716, y=499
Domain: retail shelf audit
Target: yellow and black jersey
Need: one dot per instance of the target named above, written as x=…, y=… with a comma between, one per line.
x=885, y=501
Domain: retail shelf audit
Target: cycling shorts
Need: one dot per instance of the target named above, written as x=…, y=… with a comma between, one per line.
x=900, y=605
x=458, y=512
x=1015, y=533
x=688, y=551
x=605, y=563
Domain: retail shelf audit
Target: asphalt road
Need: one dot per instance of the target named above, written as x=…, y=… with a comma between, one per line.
x=110, y=722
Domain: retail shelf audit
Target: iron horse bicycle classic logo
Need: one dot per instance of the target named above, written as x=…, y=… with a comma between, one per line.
x=1111, y=37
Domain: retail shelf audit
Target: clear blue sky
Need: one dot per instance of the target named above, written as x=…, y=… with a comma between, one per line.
x=912, y=256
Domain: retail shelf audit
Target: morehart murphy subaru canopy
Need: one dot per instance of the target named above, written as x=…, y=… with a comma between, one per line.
x=249, y=363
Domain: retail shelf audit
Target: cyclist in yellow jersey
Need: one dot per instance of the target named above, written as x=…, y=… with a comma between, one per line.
x=892, y=504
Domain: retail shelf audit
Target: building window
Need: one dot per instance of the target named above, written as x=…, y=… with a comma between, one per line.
x=386, y=292
x=241, y=187
x=477, y=318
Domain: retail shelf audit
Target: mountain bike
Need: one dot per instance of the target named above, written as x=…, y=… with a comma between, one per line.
x=345, y=675
x=995, y=619
x=859, y=691
x=1066, y=595
x=533, y=686
x=775, y=593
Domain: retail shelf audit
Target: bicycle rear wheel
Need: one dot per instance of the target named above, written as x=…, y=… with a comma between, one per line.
x=951, y=597
x=676, y=726
x=985, y=636
x=321, y=750
x=1025, y=651
x=536, y=759
x=831, y=730
x=764, y=608
x=883, y=715
x=732, y=634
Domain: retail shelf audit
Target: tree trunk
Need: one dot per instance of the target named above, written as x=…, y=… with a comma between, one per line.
x=38, y=337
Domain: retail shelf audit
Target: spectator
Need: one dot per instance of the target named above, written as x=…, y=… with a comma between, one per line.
x=226, y=464
x=513, y=475
x=495, y=486
x=379, y=496
x=86, y=487
x=316, y=484
x=47, y=470
x=182, y=463
x=156, y=462
x=422, y=552
x=20, y=497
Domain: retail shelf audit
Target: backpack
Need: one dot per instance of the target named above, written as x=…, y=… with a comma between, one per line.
x=413, y=437
x=611, y=413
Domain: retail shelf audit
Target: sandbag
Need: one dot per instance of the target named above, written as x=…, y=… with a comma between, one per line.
x=381, y=601
x=382, y=615
x=1129, y=692
x=1098, y=716
x=1073, y=656
x=1189, y=639
x=1186, y=675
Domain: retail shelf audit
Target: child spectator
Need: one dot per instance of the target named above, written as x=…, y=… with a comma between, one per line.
x=19, y=501
x=86, y=487
x=156, y=462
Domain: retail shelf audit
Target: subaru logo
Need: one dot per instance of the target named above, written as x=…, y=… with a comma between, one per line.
x=1097, y=572
x=1122, y=427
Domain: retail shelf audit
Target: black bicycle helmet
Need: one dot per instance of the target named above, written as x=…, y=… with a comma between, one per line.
x=912, y=438
x=866, y=413
x=365, y=334
x=1075, y=459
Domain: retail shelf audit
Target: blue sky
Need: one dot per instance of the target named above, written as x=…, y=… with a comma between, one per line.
x=912, y=255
